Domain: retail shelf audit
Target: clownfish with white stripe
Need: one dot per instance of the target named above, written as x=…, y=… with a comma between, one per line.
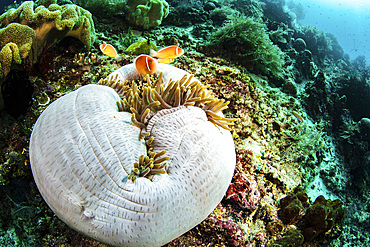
x=167, y=54
x=109, y=50
x=146, y=65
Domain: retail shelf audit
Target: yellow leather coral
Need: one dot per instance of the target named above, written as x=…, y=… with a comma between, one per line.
x=30, y=28
x=15, y=42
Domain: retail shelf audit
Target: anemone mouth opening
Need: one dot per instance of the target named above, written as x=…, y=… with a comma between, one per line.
x=149, y=165
x=146, y=96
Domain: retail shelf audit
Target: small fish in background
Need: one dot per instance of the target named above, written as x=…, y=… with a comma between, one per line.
x=146, y=65
x=297, y=116
x=109, y=50
x=167, y=54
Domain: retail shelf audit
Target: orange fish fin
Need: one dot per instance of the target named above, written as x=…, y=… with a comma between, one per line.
x=152, y=53
x=166, y=60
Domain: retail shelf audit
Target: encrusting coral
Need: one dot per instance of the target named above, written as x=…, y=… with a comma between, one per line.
x=29, y=29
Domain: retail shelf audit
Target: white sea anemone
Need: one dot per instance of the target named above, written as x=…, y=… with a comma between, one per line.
x=84, y=147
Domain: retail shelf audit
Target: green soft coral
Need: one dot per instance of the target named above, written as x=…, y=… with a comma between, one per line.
x=31, y=28
x=146, y=13
x=15, y=43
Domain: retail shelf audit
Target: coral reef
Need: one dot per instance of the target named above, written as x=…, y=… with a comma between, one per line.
x=27, y=30
x=98, y=8
x=146, y=14
x=245, y=40
x=192, y=13
x=325, y=151
x=140, y=47
x=275, y=11
x=83, y=59
x=241, y=218
x=320, y=220
x=128, y=37
x=320, y=44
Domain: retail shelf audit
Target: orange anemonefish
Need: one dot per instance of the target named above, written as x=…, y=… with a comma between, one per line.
x=169, y=52
x=146, y=65
x=109, y=50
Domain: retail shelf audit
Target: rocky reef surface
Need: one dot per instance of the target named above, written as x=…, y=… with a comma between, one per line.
x=302, y=128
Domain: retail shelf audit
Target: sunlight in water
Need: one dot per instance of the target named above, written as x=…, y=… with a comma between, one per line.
x=361, y=5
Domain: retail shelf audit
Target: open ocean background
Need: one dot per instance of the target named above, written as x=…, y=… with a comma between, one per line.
x=347, y=20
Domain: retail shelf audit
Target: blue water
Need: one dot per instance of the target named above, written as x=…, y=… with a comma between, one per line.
x=348, y=20
x=4, y=3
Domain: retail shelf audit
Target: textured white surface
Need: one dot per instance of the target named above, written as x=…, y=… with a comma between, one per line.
x=81, y=148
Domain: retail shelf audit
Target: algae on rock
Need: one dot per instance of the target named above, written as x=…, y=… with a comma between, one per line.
x=140, y=47
x=246, y=41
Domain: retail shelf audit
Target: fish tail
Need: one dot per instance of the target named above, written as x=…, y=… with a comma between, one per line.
x=165, y=60
x=152, y=53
